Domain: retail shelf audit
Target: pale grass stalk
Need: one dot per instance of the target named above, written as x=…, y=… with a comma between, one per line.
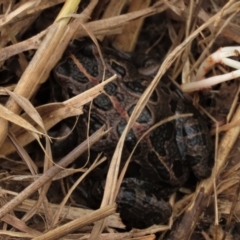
x=216, y=57
x=209, y=82
x=220, y=56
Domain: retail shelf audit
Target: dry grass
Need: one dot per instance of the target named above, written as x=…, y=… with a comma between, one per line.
x=192, y=25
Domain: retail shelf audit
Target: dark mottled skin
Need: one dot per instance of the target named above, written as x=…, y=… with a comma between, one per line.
x=164, y=158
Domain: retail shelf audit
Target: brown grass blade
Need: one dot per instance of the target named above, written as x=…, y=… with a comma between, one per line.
x=28, y=108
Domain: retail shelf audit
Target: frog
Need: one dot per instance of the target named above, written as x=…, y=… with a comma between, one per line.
x=165, y=156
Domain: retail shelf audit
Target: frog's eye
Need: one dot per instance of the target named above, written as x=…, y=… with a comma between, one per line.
x=87, y=49
x=118, y=68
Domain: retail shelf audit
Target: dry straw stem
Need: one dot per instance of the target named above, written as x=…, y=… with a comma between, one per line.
x=24, y=155
x=122, y=235
x=127, y=40
x=68, y=212
x=96, y=163
x=110, y=188
x=43, y=61
x=49, y=174
x=50, y=114
x=20, y=225
x=14, y=25
x=23, y=10
x=26, y=105
x=18, y=235
x=114, y=8
x=53, y=113
x=12, y=117
x=105, y=26
x=29, y=44
x=78, y=223
x=18, y=12
x=98, y=28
